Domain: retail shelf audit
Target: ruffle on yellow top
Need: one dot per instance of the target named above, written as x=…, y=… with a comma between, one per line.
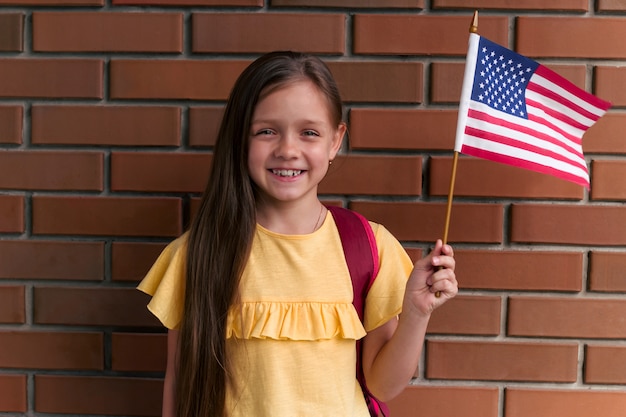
x=294, y=321
x=165, y=282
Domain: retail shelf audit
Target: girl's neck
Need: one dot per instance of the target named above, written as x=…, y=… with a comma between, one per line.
x=291, y=219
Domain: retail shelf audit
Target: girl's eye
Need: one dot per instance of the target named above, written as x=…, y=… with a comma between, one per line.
x=310, y=133
x=264, y=132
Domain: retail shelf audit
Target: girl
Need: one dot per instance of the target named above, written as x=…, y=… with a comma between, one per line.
x=257, y=295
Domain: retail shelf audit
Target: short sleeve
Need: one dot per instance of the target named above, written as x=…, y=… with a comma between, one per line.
x=165, y=282
x=384, y=299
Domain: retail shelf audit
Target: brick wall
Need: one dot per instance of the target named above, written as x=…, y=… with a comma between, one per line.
x=107, y=117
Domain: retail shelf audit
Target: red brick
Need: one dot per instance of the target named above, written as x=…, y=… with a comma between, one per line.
x=606, y=271
x=194, y=205
x=610, y=5
x=263, y=32
x=603, y=184
x=447, y=79
x=106, y=125
x=13, y=389
x=482, y=178
x=556, y=5
x=11, y=32
x=97, y=306
x=11, y=214
x=120, y=216
x=55, y=260
x=191, y=2
x=379, y=128
x=605, y=364
x=501, y=361
x=52, y=350
x=46, y=170
x=139, y=352
x=470, y=315
x=601, y=137
x=173, y=79
x=12, y=305
x=571, y=403
x=414, y=253
x=366, y=81
x=571, y=37
x=374, y=175
x=567, y=317
x=204, y=125
x=439, y=401
x=53, y=2
x=64, y=394
x=379, y=81
x=425, y=221
x=568, y=224
x=107, y=31
x=606, y=78
x=421, y=35
x=158, y=171
x=51, y=78
x=387, y=4
x=519, y=270
x=11, y=124
x=130, y=261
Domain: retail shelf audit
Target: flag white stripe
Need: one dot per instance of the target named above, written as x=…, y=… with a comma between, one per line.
x=539, y=127
x=556, y=106
x=544, y=82
x=566, y=127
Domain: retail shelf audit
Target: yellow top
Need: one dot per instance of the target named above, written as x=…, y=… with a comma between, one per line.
x=291, y=338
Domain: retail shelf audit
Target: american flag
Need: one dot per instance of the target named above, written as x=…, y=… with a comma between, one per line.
x=515, y=111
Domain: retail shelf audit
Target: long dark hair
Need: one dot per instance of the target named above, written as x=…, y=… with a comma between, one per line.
x=220, y=236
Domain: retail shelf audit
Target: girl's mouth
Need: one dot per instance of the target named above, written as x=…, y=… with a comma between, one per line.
x=286, y=172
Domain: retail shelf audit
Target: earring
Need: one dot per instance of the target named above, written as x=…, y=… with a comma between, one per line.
x=330, y=162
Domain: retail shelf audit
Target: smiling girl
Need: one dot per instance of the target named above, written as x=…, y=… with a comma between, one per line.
x=257, y=295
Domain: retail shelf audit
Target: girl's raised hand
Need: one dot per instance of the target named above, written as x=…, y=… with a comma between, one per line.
x=431, y=275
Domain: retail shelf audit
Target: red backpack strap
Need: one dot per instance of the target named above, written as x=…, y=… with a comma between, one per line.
x=361, y=252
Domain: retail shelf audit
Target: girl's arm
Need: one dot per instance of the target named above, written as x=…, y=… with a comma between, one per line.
x=169, y=385
x=392, y=351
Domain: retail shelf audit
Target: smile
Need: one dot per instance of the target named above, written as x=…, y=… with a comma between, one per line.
x=287, y=172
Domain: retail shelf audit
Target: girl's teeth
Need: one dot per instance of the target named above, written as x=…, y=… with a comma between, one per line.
x=287, y=172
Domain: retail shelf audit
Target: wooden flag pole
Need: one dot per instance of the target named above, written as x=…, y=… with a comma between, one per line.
x=473, y=29
x=446, y=227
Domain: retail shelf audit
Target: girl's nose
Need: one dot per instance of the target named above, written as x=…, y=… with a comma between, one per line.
x=287, y=147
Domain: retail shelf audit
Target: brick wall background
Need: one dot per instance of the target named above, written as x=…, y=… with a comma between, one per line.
x=108, y=113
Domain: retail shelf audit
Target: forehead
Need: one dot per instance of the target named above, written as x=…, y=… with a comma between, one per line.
x=299, y=95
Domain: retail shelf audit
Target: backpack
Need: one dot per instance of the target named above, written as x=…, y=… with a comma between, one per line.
x=361, y=252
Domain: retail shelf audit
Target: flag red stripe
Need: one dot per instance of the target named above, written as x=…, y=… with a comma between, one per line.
x=557, y=115
x=522, y=163
x=571, y=88
x=539, y=89
x=486, y=117
x=493, y=137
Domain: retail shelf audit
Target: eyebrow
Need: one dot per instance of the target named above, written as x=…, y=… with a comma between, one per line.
x=303, y=121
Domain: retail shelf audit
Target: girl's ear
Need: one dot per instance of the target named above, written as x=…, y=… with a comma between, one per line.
x=337, y=140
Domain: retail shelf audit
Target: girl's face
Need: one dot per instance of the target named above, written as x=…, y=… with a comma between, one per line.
x=292, y=140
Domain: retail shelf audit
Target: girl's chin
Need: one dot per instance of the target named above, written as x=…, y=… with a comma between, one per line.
x=279, y=197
